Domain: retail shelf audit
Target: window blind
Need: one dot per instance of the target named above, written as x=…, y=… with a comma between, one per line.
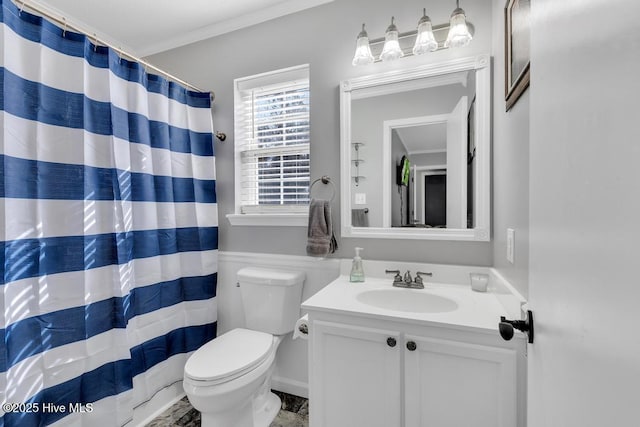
x=272, y=128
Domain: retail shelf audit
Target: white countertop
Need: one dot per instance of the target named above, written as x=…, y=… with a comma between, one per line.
x=478, y=311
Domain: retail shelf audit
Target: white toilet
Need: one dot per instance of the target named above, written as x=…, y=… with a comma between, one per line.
x=229, y=379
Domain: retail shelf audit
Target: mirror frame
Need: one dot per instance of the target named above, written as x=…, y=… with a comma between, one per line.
x=482, y=127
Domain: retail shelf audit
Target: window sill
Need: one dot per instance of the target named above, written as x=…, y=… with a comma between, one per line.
x=270, y=220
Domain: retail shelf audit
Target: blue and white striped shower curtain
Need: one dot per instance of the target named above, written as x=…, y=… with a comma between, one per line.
x=109, y=228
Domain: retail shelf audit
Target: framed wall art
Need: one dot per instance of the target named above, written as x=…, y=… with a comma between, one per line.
x=517, y=49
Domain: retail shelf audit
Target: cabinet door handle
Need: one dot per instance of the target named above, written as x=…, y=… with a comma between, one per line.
x=411, y=345
x=391, y=342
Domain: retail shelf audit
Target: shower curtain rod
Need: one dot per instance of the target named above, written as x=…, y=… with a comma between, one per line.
x=60, y=20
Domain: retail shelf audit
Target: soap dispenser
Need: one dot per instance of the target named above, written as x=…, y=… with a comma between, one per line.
x=357, y=272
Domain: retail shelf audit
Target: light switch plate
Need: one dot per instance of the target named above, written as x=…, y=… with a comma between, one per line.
x=511, y=243
x=361, y=199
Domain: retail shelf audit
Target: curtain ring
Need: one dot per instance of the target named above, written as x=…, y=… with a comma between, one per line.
x=95, y=44
x=64, y=28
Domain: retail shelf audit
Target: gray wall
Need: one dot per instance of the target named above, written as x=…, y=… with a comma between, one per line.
x=324, y=37
x=428, y=159
x=510, y=168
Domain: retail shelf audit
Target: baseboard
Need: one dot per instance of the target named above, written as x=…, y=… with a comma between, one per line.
x=290, y=386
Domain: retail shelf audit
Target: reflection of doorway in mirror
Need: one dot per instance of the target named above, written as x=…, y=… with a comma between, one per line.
x=423, y=140
x=435, y=200
x=429, y=195
x=439, y=140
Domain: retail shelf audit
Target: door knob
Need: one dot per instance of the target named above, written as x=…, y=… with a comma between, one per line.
x=411, y=345
x=391, y=342
x=506, y=327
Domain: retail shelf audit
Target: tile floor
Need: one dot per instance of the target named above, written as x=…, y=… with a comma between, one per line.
x=294, y=413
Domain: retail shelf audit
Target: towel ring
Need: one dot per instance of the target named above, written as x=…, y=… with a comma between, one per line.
x=325, y=180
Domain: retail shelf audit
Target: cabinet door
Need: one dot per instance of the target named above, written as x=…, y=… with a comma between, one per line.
x=453, y=384
x=354, y=376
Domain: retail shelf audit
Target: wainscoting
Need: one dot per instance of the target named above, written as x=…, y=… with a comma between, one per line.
x=290, y=374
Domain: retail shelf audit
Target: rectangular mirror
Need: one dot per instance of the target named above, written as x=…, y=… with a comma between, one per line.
x=415, y=152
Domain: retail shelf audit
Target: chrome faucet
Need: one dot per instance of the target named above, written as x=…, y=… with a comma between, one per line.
x=407, y=281
x=407, y=278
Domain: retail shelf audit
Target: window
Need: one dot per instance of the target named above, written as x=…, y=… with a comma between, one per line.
x=272, y=142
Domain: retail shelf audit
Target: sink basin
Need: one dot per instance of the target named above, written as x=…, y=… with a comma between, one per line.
x=407, y=300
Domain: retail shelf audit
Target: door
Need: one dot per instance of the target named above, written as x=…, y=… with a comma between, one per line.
x=457, y=165
x=435, y=200
x=355, y=376
x=584, y=279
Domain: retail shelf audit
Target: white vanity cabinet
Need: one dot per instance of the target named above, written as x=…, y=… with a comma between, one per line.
x=449, y=383
x=355, y=376
x=369, y=371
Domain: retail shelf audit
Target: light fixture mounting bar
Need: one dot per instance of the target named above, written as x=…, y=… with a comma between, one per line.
x=407, y=39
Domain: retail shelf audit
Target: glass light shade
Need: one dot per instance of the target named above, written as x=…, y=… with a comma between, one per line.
x=459, y=35
x=391, y=49
x=425, y=41
x=363, y=55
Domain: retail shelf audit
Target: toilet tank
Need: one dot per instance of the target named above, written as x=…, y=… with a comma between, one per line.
x=271, y=298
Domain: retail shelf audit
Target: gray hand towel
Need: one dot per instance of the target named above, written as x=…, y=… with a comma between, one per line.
x=359, y=218
x=320, y=238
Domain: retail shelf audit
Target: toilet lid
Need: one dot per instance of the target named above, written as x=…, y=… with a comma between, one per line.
x=229, y=354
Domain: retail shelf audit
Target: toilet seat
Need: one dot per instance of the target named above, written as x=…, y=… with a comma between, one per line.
x=229, y=356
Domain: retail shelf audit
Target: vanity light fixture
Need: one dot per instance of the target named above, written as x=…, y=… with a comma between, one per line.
x=391, y=49
x=459, y=34
x=425, y=41
x=426, y=38
x=363, y=54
